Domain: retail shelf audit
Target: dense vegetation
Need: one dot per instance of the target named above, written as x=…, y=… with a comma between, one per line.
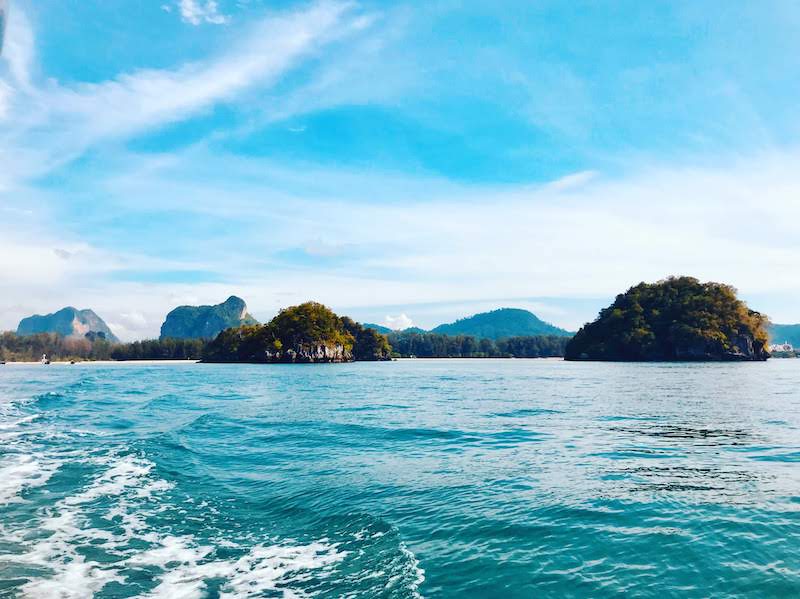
x=309, y=332
x=679, y=318
x=206, y=322
x=433, y=345
x=15, y=348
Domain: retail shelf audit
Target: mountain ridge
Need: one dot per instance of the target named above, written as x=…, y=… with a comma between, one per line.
x=495, y=324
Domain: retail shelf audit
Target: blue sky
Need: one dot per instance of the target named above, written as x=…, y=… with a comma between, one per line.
x=401, y=162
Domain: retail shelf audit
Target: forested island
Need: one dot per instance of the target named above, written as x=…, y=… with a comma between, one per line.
x=678, y=318
x=309, y=332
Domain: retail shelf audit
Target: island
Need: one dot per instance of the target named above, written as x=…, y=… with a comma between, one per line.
x=676, y=319
x=308, y=333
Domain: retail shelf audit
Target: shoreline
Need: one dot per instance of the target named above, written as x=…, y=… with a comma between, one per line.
x=173, y=362
x=103, y=362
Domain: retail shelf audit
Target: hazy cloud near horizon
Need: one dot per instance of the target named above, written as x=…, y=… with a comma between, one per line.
x=341, y=152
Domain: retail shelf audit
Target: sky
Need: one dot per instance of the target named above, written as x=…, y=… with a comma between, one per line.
x=403, y=163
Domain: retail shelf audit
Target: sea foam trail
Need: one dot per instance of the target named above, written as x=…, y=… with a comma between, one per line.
x=183, y=564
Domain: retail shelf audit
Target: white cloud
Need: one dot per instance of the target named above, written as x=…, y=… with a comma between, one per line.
x=197, y=12
x=447, y=243
x=398, y=323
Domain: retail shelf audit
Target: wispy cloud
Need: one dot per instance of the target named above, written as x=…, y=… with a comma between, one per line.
x=196, y=12
x=53, y=123
x=430, y=240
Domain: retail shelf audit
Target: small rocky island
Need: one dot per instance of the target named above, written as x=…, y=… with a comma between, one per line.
x=677, y=319
x=306, y=333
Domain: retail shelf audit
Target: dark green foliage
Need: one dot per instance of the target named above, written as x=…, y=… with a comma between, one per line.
x=67, y=322
x=159, y=349
x=541, y=346
x=499, y=324
x=675, y=319
x=206, y=322
x=433, y=345
x=309, y=332
x=377, y=328
x=369, y=345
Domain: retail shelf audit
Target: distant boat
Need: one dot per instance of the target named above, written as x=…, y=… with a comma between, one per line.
x=44, y=359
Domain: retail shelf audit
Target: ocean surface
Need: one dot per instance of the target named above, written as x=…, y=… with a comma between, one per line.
x=440, y=478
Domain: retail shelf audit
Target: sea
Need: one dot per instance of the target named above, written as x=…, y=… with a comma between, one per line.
x=413, y=478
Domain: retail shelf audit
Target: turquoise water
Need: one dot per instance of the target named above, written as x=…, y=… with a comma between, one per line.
x=449, y=478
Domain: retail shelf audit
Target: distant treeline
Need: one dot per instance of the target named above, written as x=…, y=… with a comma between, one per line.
x=433, y=345
x=14, y=348
x=29, y=348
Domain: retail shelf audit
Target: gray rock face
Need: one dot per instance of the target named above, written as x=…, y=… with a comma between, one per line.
x=68, y=322
x=310, y=354
x=206, y=322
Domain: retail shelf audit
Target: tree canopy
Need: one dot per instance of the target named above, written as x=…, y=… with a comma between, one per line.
x=678, y=318
x=306, y=333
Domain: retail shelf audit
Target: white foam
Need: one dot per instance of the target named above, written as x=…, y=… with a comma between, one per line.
x=263, y=568
x=186, y=565
x=19, y=472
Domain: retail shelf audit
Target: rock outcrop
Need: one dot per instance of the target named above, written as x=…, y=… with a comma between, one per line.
x=68, y=322
x=206, y=322
x=306, y=354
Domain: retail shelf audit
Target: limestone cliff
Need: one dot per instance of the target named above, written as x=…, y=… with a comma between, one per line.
x=68, y=322
x=206, y=322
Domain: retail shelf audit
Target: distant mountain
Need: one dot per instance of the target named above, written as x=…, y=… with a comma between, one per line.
x=499, y=324
x=417, y=330
x=206, y=322
x=778, y=333
x=378, y=328
x=68, y=322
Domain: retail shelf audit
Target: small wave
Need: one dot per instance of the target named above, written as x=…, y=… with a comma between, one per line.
x=21, y=472
x=264, y=568
x=525, y=412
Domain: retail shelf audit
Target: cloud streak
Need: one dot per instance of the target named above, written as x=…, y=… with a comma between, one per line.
x=52, y=124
